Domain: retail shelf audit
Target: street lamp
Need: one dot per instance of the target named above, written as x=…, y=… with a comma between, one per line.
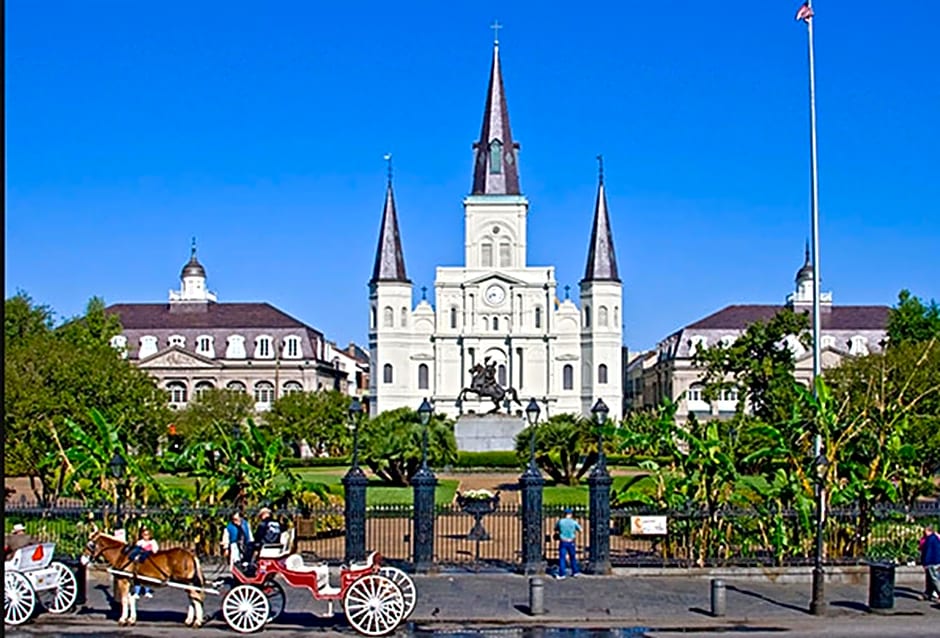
x=355, y=411
x=600, y=412
x=117, y=466
x=817, y=605
x=532, y=412
x=424, y=413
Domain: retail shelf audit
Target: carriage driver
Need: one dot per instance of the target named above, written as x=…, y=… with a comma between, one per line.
x=17, y=540
x=267, y=533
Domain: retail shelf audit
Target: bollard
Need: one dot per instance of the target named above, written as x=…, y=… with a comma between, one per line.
x=719, y=597
x=536, y=596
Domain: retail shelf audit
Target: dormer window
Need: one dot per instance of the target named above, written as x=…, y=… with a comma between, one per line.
x=177, y=341
x=119, y=343
x=496, y=157
x=148, y=347
x=205, y=345
x=696, y=344
x=292, y=347
x=263, y=347
x=858, y=345
x=827, y=341
x=235, y=348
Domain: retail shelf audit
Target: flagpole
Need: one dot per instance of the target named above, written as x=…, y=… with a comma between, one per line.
x=818, y=601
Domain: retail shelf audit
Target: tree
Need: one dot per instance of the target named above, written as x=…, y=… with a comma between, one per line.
x=759, y=365
x=56, y=373
x=213, y=411
x=913, y=320
x=390, y=444
x=316, y=417
x=565, y=447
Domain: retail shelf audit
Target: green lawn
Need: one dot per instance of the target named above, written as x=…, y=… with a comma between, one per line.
x=377, y=494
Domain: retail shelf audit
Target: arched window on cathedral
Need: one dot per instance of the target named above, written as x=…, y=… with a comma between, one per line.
x=372, y=318
x=587, y=316
x=495, y=324
x=423, y=376
x=496, y=157
x=602, y=373
x=505, y=254
x=486, y=254
x=404, y=317
x=567, y=377
x=387, y=373
x=616, y=316
x=388, y=317
x=453, y=318
x=538, y=316
x=602, y=316
x=486, y=323
x=501, y=375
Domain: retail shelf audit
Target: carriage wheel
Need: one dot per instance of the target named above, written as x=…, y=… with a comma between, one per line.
x=19, y=599
x=245, y=608
x=276, y=599
x=62, y=598
x=405, y=584
x=374, y=605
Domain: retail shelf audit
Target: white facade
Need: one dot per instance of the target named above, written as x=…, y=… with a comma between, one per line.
x=494, y=307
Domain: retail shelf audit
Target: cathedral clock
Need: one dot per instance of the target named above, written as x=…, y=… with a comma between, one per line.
x=495, y=295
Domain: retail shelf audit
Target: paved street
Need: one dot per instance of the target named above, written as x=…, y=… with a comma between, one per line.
x=497, y=604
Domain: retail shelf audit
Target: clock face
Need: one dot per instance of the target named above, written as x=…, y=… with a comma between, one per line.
x=494, y=295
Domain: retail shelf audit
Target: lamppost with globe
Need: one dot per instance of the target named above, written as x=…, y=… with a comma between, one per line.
x=599, y=482
x=118, y=465
x=355, y=483
x=424, y=483
x=532, y=484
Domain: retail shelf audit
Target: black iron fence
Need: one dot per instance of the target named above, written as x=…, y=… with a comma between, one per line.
x=727, y=538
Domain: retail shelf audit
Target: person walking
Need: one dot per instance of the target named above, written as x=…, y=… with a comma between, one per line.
x=236, y=539
x=566, y=529
x=930, y=559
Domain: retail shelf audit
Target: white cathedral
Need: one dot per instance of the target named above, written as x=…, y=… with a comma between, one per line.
x=496, y=307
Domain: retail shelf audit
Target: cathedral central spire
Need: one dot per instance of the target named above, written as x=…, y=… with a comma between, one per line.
x=389, y=259
x=495, y=168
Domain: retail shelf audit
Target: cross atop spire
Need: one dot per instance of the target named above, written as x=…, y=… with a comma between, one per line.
x=496, y=26
x=192, y=254
x=388, y=159
x=424, y=293
x=600, y=168
x=602, y=260
x=495, y=166
x=567, y=293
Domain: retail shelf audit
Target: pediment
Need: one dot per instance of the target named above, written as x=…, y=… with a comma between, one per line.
x=176, y=357
x=496, y=276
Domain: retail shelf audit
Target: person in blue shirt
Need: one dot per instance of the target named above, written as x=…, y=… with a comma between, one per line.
x=236, y=540
x=930, y=559
x=566, y=529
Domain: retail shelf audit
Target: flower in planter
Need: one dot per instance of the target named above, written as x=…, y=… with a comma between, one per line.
x=477, y=495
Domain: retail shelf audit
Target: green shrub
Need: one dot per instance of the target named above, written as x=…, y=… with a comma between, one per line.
x=318, y=461
x=493, y=459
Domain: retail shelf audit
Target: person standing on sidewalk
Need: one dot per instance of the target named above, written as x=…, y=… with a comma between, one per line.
x=565, y=531
x=930, y=559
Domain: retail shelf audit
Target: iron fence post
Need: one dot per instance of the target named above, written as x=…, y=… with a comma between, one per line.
x=423, y=483
x=355, y=483
x=532, y=483
x=599, y=483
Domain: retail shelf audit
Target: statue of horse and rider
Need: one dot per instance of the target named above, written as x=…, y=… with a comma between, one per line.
x=483, y=384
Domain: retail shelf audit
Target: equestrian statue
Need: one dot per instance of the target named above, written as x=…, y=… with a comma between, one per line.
x=483, y=384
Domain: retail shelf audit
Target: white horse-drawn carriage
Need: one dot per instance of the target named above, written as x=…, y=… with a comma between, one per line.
x=32, y=578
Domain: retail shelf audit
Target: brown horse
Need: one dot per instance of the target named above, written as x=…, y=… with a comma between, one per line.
x=176, y=565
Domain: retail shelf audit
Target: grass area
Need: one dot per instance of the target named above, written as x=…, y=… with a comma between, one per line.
x=556, y=495
x=377, y=494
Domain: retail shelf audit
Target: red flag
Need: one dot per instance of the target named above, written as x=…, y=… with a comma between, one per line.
x=805, y=12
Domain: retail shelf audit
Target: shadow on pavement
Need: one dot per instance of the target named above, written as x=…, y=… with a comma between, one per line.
x=754, y=594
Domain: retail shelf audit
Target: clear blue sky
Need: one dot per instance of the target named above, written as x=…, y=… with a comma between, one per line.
x=260, y=129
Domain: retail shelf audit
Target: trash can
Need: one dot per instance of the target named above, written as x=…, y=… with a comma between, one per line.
x=880, y=586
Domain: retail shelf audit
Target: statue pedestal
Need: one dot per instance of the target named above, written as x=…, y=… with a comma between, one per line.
x=488, y=432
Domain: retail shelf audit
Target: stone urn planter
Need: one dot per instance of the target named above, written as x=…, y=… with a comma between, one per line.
x=478, y=503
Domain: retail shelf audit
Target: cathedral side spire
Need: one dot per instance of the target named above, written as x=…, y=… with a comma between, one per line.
x=602, y=260
x=389, y=259
x=495, y=168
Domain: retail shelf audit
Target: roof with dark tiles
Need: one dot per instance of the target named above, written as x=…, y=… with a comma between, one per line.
x=183, y=315
x=834, y=318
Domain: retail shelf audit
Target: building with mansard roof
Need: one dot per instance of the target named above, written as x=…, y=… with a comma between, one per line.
x=496, y=306
x=668, y=371
x=194, y=342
